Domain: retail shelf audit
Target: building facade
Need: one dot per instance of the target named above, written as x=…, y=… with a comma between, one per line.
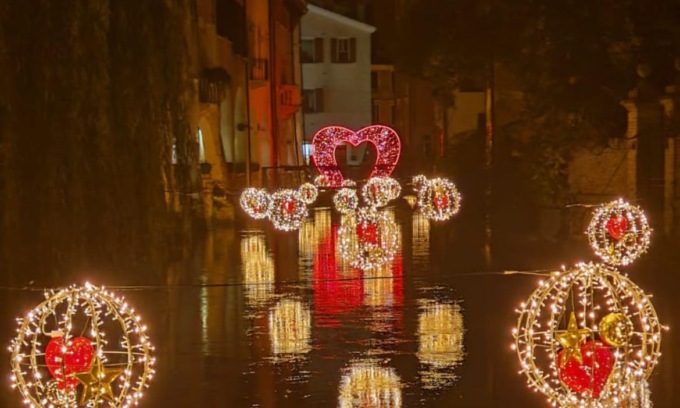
x=336, y=72
x=245, y=108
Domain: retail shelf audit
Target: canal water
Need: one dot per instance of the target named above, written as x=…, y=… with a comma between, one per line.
x=261, y=318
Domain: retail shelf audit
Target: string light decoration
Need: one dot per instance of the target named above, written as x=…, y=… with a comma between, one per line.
x=348, y=183
x=82, y=346
x=438, y=199
x=290, y=323
x=378, y=191
x=346, y=201
x=368, y=384
x=287, y=209
x=308, y=193
x=369, y=239
x=440, y=342
x=418, y=182
x=619, y=232
x=255, y=202
x=588, y=337
x=258, y=269
x=326, y=140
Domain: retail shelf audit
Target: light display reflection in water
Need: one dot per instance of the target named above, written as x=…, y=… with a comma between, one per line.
x=369, y=384
x=257, y=265
x=290, y=327
x=440, y=342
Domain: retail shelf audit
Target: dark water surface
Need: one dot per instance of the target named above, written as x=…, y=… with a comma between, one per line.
x=258, y=318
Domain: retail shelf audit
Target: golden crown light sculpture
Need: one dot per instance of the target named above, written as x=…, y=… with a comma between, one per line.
x=589, y=337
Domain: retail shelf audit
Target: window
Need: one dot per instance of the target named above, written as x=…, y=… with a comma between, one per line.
x=343, y=50
x=312, y=100
x=311, y=50
x=201, y=146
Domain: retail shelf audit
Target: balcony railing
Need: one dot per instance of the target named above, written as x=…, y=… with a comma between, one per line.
x=259, y=69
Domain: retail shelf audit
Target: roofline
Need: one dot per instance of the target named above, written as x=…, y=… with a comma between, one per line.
x=312, y=9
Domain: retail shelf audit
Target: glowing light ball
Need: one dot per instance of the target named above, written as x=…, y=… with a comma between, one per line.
x=368, y=239
x=255, y=202
x=346, y=201
x=588, y=337
x=326, y=140
x=367, y=384
x=418, y=182
x=82, y=346
x=438, y=199
x=287, y=209
x=308, y=193
x=378, y=191
x=619, y=232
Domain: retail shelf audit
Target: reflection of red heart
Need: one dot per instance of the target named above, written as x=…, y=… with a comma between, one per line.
x=326, y=140
x=593, y=374
x=368, y=233
x=64, y=360
x=617, y=226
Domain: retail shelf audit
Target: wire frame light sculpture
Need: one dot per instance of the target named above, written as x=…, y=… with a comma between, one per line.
x=346, y=201
x=368, y=239
x=82, y=346
x=588, y=337
x=438, y=198
x=326, y=140
x=255, y=202
x=619, y=232
x=308, y=193
x=287, y=209
x=379, y=191
x=367, y=383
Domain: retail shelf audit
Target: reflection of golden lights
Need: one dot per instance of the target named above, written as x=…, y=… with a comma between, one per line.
x=258, y=269
x=322, y=222
x=290, y=324
x=421, y=237
x=307, y=238
x=366, y=384
x=440, y=345
x=379, y=286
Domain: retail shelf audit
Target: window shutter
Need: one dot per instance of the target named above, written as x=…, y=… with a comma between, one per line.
x=352, y=50
x=318, y=50
x=318, y=96
x=334, y=50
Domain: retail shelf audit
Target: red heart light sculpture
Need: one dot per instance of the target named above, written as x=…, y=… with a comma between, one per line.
x=617, y=226
x=368, y=232
x=326, y=140
x=591, y=375
x=65, y=359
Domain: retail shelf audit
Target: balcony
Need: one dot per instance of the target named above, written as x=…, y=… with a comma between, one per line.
x=258, y=72
x=212, y=85
x=289, y=100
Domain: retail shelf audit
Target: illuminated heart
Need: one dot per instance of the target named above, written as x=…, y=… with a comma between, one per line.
x=326, y=140
x=289, y=206
x=367, y=232
x=617, y=226
x=440, y=200
x=62, y=360
x=590, y=376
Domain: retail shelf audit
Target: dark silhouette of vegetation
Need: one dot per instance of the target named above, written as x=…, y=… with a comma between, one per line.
x=93, y=99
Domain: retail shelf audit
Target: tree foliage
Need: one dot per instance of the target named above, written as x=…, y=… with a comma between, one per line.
x=93, y=96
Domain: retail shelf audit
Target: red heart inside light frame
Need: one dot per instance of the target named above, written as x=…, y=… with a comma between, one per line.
x=326, y=140
x=63, y=360
x=591, y=376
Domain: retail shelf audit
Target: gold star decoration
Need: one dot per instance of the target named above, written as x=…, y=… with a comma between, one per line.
x=97, y=382
x=571, y=341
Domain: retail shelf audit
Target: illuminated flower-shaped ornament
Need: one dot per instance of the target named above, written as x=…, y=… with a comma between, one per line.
x=346, y=201
x=255, y=202
x=378, y=191
x=588, y=337
x=308, y=193
x=287, y=210
x=619, y=232
x=368, y=239
x=438, y=199
x=82, y=346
